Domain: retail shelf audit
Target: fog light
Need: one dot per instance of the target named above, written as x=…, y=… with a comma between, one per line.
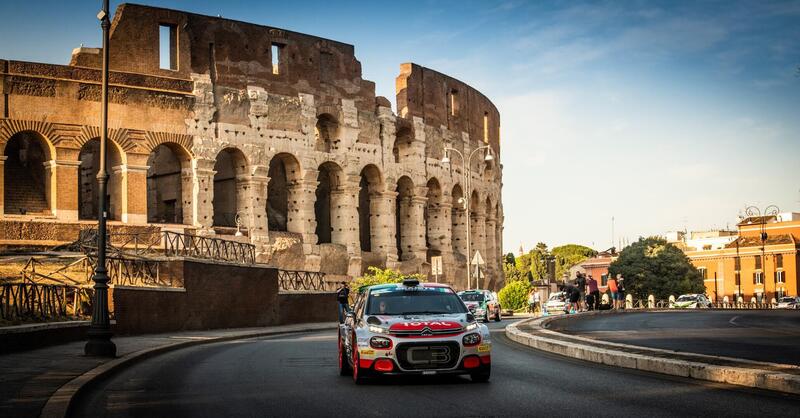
x=471, y=362
x=384, y=365
x=472, y=339
x=380, y=343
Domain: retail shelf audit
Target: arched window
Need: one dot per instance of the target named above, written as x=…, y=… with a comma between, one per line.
x=369, y=185
x=458, y=222
x=166, y=194
x=230, y=168
x=326, y=132
x=328, y=192
x=403, y=222
x=26, y=180
x=88, y=191
x=284, y=171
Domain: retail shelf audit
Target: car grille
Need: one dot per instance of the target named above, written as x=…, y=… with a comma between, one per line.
x=423, y=356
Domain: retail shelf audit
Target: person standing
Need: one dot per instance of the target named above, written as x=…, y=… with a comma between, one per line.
x=621, y=290
x=343, y=297
x=591, y=285
x=612, y=287
x=580, y=283
x=531, y=301
x=537, y=305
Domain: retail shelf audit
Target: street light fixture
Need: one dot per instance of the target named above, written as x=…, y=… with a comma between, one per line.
x=99, y=342
x=468, y=192
x=751, y=212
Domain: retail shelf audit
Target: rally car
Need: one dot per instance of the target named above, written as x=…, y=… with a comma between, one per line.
x=412, y=329
x=482, y=303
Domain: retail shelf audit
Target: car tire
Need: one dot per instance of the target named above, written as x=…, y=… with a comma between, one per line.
x=344, y=364
x=497, y=317
x=486, y=317
x=358, y=372
x=481, y=377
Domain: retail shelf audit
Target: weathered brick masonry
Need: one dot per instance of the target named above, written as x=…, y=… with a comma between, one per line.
x=271, y=128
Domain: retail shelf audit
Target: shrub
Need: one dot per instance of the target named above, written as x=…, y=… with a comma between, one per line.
x=515, y=295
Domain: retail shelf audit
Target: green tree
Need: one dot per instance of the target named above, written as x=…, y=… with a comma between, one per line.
x=376, y=275
x=654, y=266
x=511, y=272
x=569, y=255
x=538, y=261
x=514, y=295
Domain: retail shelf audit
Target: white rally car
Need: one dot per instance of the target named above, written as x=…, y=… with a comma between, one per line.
x=413, y=329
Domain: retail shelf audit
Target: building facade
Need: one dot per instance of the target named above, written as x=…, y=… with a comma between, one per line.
x=218, y=125
x=750, y=268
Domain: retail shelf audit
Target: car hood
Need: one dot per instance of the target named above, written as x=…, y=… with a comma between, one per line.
x=472, y=303
x=686, y=303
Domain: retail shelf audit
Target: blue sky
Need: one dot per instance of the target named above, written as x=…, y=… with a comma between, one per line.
x=665, y=115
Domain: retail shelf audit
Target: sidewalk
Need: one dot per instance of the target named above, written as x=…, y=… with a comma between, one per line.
x=28, y=379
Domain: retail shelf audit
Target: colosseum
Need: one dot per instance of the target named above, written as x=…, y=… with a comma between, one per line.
x=248, y=132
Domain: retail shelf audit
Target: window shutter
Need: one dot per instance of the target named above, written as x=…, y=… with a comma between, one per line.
x=754, y=277
x=775, y=276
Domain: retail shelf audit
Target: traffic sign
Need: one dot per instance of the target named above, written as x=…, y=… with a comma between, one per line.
x=436, y=265
x=477, y=260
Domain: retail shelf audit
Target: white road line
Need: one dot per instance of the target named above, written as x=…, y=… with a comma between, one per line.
x=733, y=320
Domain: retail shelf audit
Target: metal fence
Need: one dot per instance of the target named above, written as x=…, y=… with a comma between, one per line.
x=43, y=301
x=185, y=245
x=303, y=280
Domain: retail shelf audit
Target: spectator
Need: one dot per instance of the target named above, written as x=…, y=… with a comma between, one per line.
x=594, y=292
x=612, y=287
x=621, y=290
x=343, y=296
x=531, y=301
x=580, y=283
x=537, y=305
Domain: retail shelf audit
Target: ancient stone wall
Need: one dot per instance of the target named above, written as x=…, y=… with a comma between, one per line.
x=270, y=133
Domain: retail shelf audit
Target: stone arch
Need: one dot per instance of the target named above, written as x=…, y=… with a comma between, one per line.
x=28, y=174
x=230, y=183
x=284, y=173
x=437, y=223
x=476, y=226
x=330, y=181
x=88, y=190
x=458, y=221
x=492, y=256
x=403, y=221
x=326, y=132
x=402, y=144
x=370, y=187
x=169, y=184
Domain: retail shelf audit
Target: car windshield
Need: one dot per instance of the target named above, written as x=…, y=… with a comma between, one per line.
x=557, y=296
x=687, y=298
x=400, y=301
x=471, y=297
x=787, y=299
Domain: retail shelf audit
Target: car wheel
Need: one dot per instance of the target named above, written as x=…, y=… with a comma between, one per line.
x=358, y=372
x=482, y=376
x=497, y=317
x=344, y=365
x=486, y=317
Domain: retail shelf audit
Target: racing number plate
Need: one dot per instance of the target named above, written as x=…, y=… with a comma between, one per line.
x=426, y=355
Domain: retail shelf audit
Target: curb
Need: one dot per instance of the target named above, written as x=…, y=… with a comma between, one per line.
x=60, y=402
x=741, y=376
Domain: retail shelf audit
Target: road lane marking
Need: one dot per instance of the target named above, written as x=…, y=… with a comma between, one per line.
x=733, y=320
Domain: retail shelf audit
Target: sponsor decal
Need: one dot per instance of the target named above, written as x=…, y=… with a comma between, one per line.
x=484, y=348
x=428, y=355
x=368, y=352
x=433, y=325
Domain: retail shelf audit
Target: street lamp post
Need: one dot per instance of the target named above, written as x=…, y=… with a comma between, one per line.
x=99, y=343
x=753, y=211
x=467, y=183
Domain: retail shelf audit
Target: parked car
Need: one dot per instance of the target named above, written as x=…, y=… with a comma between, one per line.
x=483, y=304
x=691, y=301
x=412, y=328
x=556, y=303
x=789, y=302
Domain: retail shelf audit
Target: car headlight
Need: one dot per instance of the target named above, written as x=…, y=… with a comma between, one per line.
x=472, y=326
x=471, y=339
x=378, y=330
x=381, y=343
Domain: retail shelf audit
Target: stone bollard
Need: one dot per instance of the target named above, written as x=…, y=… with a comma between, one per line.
x=628, y=301
x=671, y=301
x=740, y=302
x=651, y=301
x=725, y=302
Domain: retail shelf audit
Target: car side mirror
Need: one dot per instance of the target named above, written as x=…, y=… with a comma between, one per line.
x=350, y=314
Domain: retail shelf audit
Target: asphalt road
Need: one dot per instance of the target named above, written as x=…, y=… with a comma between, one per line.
x=296, y=375
x=772, y=336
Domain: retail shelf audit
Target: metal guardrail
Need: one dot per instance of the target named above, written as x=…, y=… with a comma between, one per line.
x=43, y=301
x=303, y=280
x=185, y=245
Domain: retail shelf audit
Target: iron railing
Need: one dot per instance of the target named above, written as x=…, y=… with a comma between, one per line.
x=303, y=280
x=129, y=271
x=43, y=301
x=193, y=246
